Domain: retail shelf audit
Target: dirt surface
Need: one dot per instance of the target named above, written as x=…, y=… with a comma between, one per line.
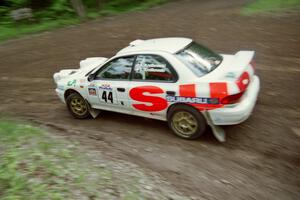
x=261, y=158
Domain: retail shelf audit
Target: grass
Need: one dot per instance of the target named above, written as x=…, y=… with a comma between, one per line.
x=35, y=166
x=261, y=6
x=15, y=30
x=112, y=8
x=10, y=30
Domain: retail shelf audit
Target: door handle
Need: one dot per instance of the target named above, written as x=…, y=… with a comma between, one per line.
x=170, y=93
x=121, y=89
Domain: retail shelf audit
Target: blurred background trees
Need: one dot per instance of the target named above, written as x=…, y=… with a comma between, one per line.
x=41, y=9
x=53, y=9
x=19, y=17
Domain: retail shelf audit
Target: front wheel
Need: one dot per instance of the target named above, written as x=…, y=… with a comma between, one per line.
x=186, y=122
x=77, y=106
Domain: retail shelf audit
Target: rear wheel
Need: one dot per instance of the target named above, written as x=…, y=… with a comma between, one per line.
x=77, y=106
x=186, y=122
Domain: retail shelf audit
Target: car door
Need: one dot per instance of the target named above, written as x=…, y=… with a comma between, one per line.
x=153, y=79
x=109, y=89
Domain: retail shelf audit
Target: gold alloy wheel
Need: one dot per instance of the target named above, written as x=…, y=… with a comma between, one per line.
x=184, y=123
x=78, y=106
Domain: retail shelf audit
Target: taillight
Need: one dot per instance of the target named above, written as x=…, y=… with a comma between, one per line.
x=231, y=99
x=243, y=81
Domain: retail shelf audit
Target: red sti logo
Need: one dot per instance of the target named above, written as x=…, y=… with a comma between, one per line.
x=158, y=103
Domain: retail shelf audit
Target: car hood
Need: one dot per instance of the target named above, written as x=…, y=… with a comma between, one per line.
x=91, y=63
x=85, y=66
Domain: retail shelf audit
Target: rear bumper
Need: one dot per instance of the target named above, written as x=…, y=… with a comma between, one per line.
x=240, y=111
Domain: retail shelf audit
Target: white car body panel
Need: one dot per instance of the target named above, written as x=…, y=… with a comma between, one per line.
x=240, y=112
x=90, y=63
x=170, y=45
x=120, y=101
x=234, y=75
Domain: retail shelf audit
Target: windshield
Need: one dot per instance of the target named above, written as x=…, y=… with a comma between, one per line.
x=199, y=59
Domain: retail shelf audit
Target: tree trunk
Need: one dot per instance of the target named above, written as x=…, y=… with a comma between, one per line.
x=79, y=8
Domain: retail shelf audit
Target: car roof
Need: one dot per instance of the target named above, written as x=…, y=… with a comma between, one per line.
x=170, y=45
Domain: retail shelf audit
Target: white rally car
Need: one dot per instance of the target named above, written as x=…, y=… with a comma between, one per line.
x=172, y=79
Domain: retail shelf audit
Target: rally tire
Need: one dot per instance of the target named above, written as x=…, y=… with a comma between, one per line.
x=77, y=106
x=186, y=122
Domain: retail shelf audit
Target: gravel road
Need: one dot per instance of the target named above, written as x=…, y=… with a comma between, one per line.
x=261, y=158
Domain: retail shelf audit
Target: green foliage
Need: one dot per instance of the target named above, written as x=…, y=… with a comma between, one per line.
x=34, y=166
x=37, y=166
x=8, y=31
x=49, y=14
x=117, y=6
x=11, y=132
x=59, y=8
x=260, y=6
x=90, y=4
x=18, y=3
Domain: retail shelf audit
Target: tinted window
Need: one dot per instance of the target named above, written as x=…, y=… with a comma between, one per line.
x=119, y=68
x=152, y=68
x=199, y=59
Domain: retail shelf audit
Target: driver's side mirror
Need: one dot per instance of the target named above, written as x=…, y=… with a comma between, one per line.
x=91, y=77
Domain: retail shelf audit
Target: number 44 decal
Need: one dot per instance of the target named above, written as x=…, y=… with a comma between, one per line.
x=107, y=97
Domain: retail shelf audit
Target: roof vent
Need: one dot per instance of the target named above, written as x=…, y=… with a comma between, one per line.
x=136, y=42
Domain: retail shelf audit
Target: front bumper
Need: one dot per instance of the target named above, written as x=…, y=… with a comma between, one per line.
x=60, y=94
x=240, y=111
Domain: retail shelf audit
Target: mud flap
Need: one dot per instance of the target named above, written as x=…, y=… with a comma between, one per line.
x=218, y=131
x=93, y=112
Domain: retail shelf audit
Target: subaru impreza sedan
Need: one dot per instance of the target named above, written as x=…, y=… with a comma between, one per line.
x=172, y=79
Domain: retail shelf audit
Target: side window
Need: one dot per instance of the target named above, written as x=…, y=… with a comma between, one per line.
x=119, y=68
x=152, y=68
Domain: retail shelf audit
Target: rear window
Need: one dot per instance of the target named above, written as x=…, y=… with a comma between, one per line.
x=199, y=59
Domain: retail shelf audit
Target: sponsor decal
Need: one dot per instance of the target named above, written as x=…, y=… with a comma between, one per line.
x=148, y=103
x=92, y=91
x=188, y=90
x=218, y=90
x=192, y=100
x=151, y=67
x=107, y=97
x=105, y=87
x=71, y=83
x=230, y=75
x=81, y=80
